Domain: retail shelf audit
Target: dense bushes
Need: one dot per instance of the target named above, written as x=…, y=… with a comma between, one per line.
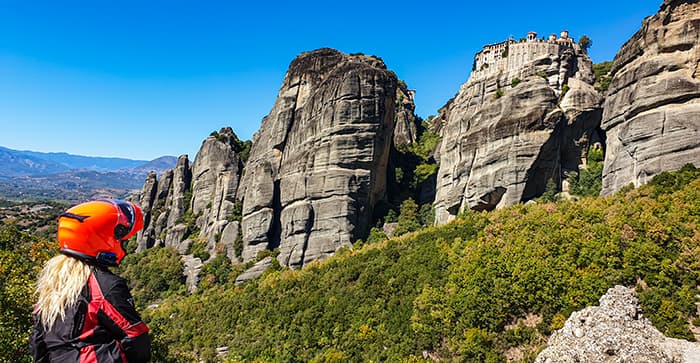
x=589, y=181
x=469, y=291
x=153, y=274
x=602, y=76
x=414, y=169
x=21, y=258
x=462, y=291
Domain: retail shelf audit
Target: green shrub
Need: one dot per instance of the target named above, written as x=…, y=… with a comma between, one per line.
x=376, y=235
x=391, y=217
x=602, y=75
x=515, y=81
x=585, y=42
x=217, y=272
x=398, y=173
x=551, y=191
x=454, y=290
x=427, y=214
x=198, y=248
x=589, y=181
x=422, y=173
x=21, y=258
x=153, y=274
x=408, y=218
x=564, y=89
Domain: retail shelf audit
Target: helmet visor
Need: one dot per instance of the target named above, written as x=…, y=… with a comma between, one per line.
x=125, y=218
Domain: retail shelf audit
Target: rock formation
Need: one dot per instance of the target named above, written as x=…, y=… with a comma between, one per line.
x=192, y=266
x=615, y=331
x=216, y=172
x=318, y=163
x=518, y=122
x=652, y=108
x=196, y=201
x=405, y=131
x=163, y=204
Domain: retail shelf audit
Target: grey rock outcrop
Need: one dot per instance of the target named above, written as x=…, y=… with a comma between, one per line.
x=615, y=331
x=176, y=201
x=192, y=268
x=318, y=163
x=146, y=201
x=162, y=202
x=511, y=128
x=652, y=108
x=216, y=172
x=254, y=271
x=197, y=203
x=405, y=130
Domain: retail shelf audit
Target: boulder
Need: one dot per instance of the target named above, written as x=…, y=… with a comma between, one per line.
x=192, y=268
x=405, y=129
x=615, y=331
x=176, y=202
x=254, y=271
x=146, y=200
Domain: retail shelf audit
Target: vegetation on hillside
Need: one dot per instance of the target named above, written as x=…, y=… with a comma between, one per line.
x=154, y=274
x=38, y=218
x=414, y=169
x=21, y=258
x=483, y=287
x=602, y=75
x=589, y=181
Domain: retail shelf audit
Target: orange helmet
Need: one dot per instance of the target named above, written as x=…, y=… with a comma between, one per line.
x=96, y=231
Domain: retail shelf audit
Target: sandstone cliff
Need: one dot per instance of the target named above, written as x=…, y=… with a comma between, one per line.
x=318, y=163
x=652, y=108
x=515, y=124
x=615, y=331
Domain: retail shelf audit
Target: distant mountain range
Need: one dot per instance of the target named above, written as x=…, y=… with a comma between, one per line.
x=62, y=176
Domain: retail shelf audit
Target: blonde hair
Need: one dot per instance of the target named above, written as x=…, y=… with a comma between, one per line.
x=59, y=285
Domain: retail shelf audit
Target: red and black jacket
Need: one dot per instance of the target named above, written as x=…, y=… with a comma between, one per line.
x=103, y=326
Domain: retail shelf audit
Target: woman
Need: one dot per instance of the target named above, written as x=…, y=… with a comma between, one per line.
x=84, y=312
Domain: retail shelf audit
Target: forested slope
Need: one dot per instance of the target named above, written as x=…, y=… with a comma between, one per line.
x=487, y=287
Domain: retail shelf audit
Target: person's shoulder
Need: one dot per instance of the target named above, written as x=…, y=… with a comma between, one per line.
x=107, y=280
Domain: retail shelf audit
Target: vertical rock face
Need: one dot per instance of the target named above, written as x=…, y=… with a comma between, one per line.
x=177, y=202
x=196, y=201
x=652, y=108
x=615, y=331
x=146, y=202
x=164, y=203
x=405, y=131
x=318, y=163
x=216, y=172
x=514, y=126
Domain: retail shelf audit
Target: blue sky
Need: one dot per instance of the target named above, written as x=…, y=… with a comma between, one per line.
x=142, y=79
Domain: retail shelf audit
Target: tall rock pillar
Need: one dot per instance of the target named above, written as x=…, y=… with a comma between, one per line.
x=318, y=163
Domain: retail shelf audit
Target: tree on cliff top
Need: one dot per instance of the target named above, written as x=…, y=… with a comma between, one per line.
x=585, y=42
